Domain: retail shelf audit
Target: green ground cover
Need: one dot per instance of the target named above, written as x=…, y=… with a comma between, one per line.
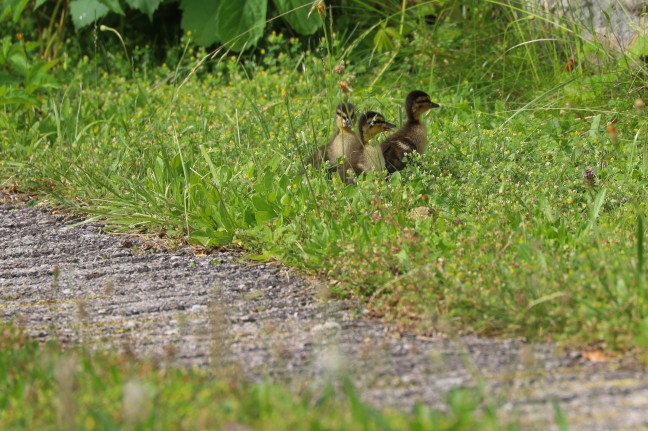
x=500, y=228
x=44, y=388
x=494, y=230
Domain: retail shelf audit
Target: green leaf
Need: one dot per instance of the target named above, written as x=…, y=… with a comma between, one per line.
x=85, y=12
x=382, y=41
x=8, y=79
x=13, y=7
x=201, y=18
x=297, y=15
x=19, y=61
x=596, y=209
x=234, y=24
x=241, y=24
x=209, y=237
x=39, y=3
x=639, y=47
x=147, y=7
x=16, y=97
x=113, y=5
x=263, y=216
x=38, y=77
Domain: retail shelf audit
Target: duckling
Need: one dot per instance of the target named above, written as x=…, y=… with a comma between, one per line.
x=344, y=119
x=346, y=142
x=412, y=136
x=370, y=159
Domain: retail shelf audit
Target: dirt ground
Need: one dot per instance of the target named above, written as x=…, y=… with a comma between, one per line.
x=60, y=278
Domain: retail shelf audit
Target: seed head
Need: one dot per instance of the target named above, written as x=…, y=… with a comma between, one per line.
x=570, y=64
x=321, y=8
x=345, y=87
x=611, y=128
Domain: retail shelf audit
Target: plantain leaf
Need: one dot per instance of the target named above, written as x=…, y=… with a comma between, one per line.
x=299, y=15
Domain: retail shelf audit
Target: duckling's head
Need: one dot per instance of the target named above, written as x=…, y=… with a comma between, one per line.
x=417, y=104
x=344, y=116
x=372, y=123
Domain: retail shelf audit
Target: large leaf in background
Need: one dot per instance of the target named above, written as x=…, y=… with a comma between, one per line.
x=85, y=12
x=201, y=18
x=241, y=24
x=145, y=6
x=228, y=22
x=298, y=17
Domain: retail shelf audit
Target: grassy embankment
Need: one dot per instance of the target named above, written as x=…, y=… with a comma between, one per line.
x=494, y=230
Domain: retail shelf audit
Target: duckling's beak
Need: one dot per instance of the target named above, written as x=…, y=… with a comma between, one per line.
x=388, y=126
x=348, y=123
x=433, y=105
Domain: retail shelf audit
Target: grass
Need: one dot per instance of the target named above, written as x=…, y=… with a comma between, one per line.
x=500, y=229
x=46, y=388
x=494, y=230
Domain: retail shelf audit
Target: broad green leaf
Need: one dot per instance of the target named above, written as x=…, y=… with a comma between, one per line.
x=296, y=14
x=263, y=216
x=113, y=5
x=85, y=12
x=201, y=18
x=145, y=6
x=19, y=61
x=234, y=24
x=241, y=24
x=38, y=77
x=39, y=3
x=16, y=97
x=8, y=79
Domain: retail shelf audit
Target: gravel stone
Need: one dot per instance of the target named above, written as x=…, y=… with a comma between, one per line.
x=60, y=278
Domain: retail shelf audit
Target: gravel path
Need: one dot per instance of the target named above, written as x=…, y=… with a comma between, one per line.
x=73, y=282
